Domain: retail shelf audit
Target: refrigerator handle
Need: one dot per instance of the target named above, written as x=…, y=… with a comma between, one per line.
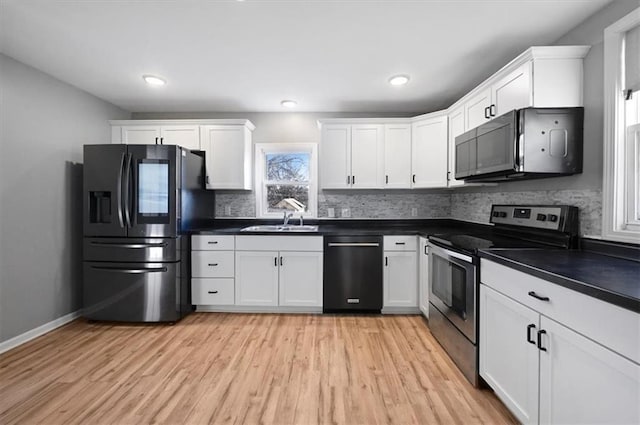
x=127, y=196
x=119, y=191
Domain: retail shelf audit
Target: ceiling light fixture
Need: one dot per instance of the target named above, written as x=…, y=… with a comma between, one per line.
x=289, y=103
x=399, y=80
x=152, y=80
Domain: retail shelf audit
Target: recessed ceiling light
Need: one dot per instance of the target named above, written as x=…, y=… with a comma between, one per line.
x=289, y=103
x=152, y=80
x=399, y=80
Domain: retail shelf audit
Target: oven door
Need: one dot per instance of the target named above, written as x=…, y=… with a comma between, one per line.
x=452, y=288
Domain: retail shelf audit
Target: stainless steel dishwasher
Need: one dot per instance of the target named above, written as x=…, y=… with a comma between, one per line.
x=352, y=274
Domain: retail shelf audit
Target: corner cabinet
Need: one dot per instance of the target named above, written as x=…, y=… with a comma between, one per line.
x=429, y=152
x=553, y=359
x=227, y=144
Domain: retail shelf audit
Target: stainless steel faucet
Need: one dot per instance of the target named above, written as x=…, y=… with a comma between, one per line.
x=286, y=218
x=301, y=220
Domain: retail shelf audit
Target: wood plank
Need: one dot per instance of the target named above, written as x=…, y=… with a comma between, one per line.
x=242, y=368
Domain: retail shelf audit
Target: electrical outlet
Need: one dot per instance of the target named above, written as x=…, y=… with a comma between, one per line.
x=414, y=212
x=331, y=212
x=346, y=212
x=227, y=210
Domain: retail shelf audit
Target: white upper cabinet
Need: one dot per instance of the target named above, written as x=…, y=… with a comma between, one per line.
x=512, y=91
x=429, y=152
x=397, y=156
x=227, y=144
x=228, y=150
x=352, y=156
x=335, y=156
x=136, y=135
x=187, y=136
x=367, y=156
x=476, y=109
x=456, y=128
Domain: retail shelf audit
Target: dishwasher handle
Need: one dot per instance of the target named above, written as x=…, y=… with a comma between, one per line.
x=353, y=244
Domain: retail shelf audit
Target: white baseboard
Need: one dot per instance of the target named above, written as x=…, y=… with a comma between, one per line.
x=258, y=309
x=40, y=330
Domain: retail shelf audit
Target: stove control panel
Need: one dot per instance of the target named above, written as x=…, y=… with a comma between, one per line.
x=562, y=218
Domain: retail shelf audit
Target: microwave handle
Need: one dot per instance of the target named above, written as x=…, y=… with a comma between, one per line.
x=518, y=143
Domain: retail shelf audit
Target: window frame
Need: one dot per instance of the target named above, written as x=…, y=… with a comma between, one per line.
x=262, y=149
x=616, y=193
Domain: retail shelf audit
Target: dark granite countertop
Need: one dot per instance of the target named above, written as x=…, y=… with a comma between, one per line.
x=420, y=227
x=612, y=279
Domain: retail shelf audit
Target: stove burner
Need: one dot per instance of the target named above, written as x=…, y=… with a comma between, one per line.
x=470, y=242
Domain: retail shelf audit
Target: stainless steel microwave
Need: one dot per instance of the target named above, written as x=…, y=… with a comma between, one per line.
x=522, y=144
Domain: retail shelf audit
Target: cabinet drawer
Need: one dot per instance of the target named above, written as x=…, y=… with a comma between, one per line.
x=212, y=243
x=279, y=243
x=212, y=291
x=400, y=243
x=614, y=327
x=212, y=264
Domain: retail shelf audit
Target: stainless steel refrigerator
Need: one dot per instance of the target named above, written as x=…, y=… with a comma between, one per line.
x=140, y=202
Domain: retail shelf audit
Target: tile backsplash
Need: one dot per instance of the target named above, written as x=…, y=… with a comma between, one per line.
x=472, y=206
x=477, y=206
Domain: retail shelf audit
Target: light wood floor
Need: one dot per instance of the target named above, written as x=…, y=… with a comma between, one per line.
x=242, y=368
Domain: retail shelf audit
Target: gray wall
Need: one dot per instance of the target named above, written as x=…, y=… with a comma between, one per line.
x=43, y=125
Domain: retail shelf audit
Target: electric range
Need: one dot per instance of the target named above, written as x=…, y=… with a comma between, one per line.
x=454, y=277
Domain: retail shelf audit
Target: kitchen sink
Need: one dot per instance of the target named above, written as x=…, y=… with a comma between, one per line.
x=280, y=228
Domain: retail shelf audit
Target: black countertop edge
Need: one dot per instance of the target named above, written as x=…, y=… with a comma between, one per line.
x=626, y=251
x=632, y=304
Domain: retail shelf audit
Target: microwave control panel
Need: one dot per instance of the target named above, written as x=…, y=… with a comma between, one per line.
x=548, y=217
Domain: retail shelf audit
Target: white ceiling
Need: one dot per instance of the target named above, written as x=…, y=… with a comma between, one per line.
x=236, y=56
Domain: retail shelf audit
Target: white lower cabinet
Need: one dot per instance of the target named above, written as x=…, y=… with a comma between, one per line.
x=400, y=275
x=279, y=271
x=583, y=382
x=546, y=372
x=508, y=361
x=257, y=278
x=423, y=277
x=301, y=279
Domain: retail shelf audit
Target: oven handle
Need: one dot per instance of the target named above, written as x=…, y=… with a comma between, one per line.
x=438, y=250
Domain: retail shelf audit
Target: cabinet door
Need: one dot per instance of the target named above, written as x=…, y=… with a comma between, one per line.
x=140, y=135
x=583, y=382
x=335, y=156
x=187, y=136
x=228, y=156
x=397, y=156
x=508, y=361
x=400, y=279
x=475, y=109
x=301, y=279
x=367, y=156
x=257, y=278
x=513, y=91
x=456, y=128
x=423, y=276
x=429, y=153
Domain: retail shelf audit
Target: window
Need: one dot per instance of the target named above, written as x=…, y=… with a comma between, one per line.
x=286, y=180
x=621, y=177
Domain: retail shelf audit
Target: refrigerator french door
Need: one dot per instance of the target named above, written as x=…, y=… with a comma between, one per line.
x=139, y=200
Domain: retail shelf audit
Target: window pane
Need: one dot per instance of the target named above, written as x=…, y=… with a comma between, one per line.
x=292, y=198
x=288, y=166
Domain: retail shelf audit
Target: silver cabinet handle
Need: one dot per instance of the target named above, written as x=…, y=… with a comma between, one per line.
x=354, y=244
x=130, y=245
